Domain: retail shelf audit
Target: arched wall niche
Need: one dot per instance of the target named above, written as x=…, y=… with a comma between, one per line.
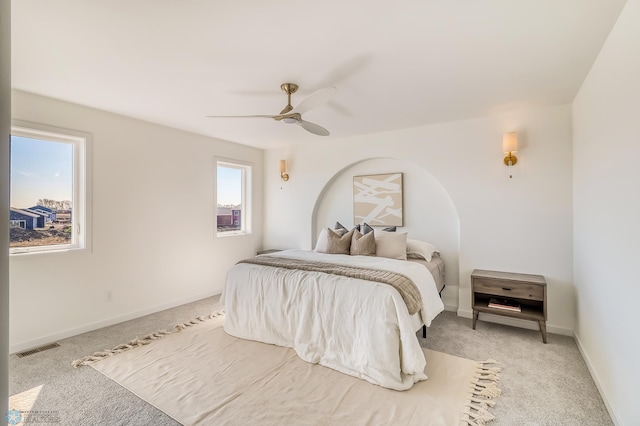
x=429, y=213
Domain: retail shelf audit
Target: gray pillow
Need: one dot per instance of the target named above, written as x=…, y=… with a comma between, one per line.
x=365, y=229
x=363, y=244
x=338, y=243
x=340, y=226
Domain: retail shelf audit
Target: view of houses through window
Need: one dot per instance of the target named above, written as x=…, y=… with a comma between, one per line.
x=232, y=189
x=43, y=187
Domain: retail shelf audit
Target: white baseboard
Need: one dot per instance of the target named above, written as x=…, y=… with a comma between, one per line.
x=450, y=298
x=596, y=380
x=28, y=344
x=451, y=308
x=529, y=325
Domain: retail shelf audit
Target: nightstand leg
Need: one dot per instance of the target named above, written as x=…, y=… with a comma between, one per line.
x=475, y=318
x=543, y=330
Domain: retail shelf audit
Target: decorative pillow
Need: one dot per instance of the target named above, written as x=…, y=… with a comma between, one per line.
x=390, y=229
x=421, y=250
x=365, y=229
x=392, y=245
x=321, y=242
x=340, y=226
x=338, y=242
x=363, y=244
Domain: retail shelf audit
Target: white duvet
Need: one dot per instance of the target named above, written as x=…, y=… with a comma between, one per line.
x=357, y=327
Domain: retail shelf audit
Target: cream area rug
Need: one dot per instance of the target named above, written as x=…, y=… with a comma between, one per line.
x=203, y=376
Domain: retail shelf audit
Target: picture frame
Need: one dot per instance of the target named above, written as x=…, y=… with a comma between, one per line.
x=378, y=199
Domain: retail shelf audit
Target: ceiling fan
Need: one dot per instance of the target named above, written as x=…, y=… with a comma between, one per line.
x=291, y=115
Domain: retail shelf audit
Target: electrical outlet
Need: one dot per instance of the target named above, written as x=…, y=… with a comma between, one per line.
x=108, y=296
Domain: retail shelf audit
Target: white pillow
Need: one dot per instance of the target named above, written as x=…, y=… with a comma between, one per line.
x=391, y=244
x=421, y=250
x=321, y=242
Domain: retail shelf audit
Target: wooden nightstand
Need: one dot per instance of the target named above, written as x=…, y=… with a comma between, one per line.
x=529, y=292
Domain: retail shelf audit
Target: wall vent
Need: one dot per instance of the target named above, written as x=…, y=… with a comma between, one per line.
x=38, y=349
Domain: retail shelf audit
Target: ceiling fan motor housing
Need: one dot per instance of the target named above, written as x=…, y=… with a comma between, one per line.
x=289, y=88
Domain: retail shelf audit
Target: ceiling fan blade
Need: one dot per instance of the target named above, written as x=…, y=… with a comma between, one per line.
x=317, y=98
x=240, y=116
x=314, y=128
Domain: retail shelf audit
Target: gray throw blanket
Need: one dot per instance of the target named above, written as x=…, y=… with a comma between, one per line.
x=407, y=288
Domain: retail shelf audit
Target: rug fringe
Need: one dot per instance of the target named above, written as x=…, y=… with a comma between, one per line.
x=478, y=416
x=483, y=388
x=145, y=340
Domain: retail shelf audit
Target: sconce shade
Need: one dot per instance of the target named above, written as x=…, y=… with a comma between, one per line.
x=510, y=142
x=284, y=176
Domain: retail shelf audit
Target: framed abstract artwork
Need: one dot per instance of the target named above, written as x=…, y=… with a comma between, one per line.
x=377, y=199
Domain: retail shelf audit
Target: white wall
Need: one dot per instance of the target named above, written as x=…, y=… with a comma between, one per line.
x=154, y=243
x=606, y=123
x=522, y=224
x=5, y=130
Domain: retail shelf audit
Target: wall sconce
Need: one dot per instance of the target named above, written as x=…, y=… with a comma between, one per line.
x=509, y=147
x=284, y=176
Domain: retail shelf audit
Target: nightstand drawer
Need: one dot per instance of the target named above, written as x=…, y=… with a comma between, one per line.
x=517, y=290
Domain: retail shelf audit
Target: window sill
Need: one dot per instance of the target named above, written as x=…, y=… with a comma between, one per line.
x=232, y=233
x=48, y=251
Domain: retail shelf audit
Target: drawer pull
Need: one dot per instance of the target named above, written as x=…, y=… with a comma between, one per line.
x=506, y=289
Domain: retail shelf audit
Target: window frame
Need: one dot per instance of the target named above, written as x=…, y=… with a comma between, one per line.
x=245, y=198
x=82, y=181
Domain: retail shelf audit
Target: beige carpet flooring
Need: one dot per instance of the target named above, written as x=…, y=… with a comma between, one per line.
x=541, y=384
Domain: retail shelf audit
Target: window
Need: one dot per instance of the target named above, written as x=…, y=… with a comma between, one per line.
x=233, y=198
x=48, y=205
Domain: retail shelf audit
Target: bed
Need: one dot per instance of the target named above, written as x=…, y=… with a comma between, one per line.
x=358, y=327
x=435, y=266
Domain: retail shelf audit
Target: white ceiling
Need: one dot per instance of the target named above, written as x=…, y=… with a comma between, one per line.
x=395, y=64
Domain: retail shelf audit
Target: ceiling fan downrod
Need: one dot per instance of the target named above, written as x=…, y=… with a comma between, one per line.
x=289, y=89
